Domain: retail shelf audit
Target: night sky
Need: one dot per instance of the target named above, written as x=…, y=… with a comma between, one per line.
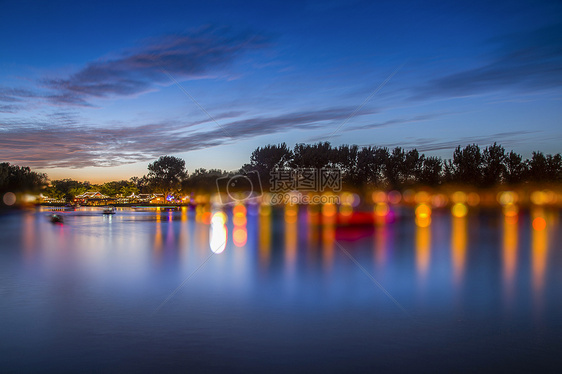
x=96, y=91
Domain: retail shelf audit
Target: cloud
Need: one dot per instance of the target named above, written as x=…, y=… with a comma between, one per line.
x=63, y=141
x=183, y=56
x=369, y=126
x=524, y=61
x=436, y=144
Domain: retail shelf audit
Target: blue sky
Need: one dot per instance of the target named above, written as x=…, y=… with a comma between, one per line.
x=96, y=91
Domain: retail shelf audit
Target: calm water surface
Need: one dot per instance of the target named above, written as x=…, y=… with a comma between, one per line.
x=142, y=291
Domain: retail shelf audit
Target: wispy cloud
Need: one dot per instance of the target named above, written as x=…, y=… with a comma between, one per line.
x=438, y=144
x=139, y=70
x=73, y=145
x=524, y=61
x=198, y=54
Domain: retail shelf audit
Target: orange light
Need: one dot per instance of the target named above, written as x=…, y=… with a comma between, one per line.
x=423, y=211
x=328, y=210
x=291, y=212
x=206, y=218
x=265, y=210
x=507, y=197
x=379, y=197
x=239, y=219
x=539, y=197
x=382, y=209
x=510, y=210
x=239, y=236
x=458, y=197
x=459, y=210
x=422, y=197
x=539, y=224
x=423, y=221
x=239, y=209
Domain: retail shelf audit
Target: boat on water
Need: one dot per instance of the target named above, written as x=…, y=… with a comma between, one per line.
x=56, y=218
x=109, y=210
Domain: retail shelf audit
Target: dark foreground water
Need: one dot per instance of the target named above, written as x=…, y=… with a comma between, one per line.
x=142, y=291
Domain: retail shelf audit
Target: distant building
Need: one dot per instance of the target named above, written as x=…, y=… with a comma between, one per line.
x=158, y=198
x=93, y=198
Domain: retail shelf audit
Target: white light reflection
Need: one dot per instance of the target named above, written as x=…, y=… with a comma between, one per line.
x=218, y=233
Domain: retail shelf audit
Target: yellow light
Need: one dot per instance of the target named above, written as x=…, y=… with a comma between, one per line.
x=219, y=218
x=423, y=211
x=459, y=210
x=458, y=197
x=538, y=197
x=507, y=197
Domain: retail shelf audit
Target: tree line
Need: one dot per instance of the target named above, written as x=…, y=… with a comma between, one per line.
x=400, y=168
x=361, y=167
x=15, y=178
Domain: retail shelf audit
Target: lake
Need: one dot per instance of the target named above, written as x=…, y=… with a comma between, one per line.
x=271, y=290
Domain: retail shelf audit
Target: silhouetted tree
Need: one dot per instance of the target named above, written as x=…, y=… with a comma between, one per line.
x=202, y=180
x=345, y=158
x=515, y=168
x=265, y=159
x=413, y=165
x=431, y=171
x=20, y=179
x=166, y=174
x=370, y=165
x=395, y=167
x=538, y=167
x=466, y=165
x=317, y=155
x=493, y=165
x=554, y=167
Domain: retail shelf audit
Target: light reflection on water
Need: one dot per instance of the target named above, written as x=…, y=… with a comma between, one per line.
x=279, y=283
